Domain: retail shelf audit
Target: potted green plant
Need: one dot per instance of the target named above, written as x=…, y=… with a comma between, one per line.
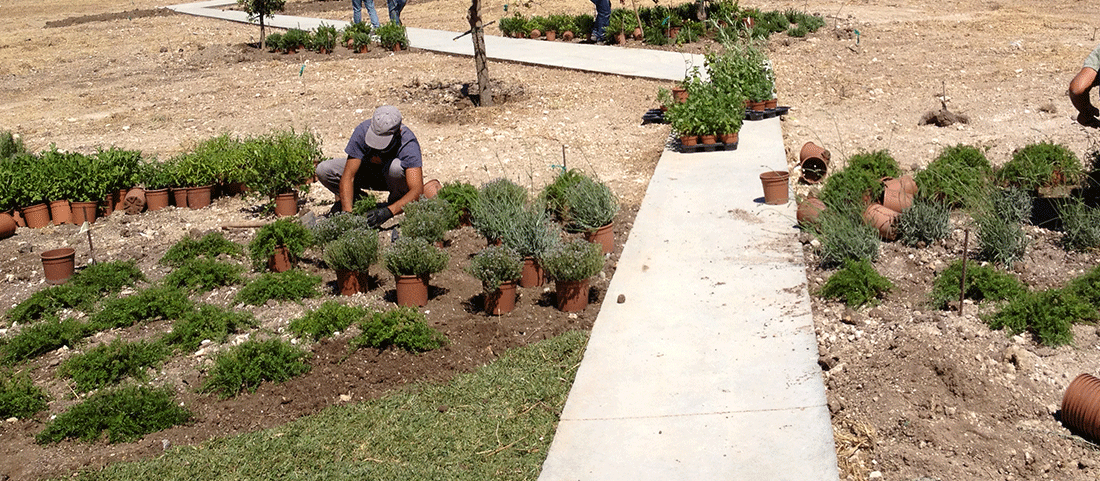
x=498, y=268
x=199, y=172
x=429, y=219
x=585, y=23
x=324, y=38
x=499, y=204
x=412, y=261
x=461, y=196
x=295, y=39
x=29, y=193
x=565, y=25
x=352, y=30
x=156, y=177
x=278, y=165
x=590, y=208
x=274, y=42
x=360, y=41
x=1041, y=165
x=571, y=265
x=534, y=234
x=278, y=245
x=351, y=256
x=392, y=36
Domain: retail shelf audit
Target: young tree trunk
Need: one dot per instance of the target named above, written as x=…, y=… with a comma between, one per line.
x=485, y=94
x=262, y=36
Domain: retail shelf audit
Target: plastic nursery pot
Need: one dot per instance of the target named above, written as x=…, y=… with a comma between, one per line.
x=571, y=296
x=881, y=218
x=708, y=139
x=532, y=275
x=286, y=204
x=37, y=216
x=680, y=94
x=61, y=212
x=775, y=187
x=1081, y=406
x=689, y=140
x=412, y=291
x=604, y=236
x=502, y=300
x=814, y=162
x=58, y=265
x=7, y=225
x=84, y=212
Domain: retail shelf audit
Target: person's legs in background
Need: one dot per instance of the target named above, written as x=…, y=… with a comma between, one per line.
x=371, y=12
x=603, y=18
x=395, y=7
x=356, y=7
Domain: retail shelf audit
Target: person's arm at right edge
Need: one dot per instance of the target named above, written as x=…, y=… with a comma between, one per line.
x=347, y=184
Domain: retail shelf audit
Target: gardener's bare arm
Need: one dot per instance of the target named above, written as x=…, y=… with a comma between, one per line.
x=1079, y=89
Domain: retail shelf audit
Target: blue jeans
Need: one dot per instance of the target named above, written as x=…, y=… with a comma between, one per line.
x=395, y=7
x=356, y=7
x=603, y=17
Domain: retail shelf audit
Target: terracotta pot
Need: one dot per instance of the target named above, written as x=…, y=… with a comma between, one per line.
x=364, y=49
x=107, y=206
x=59, y=265
x=118, y=197
x=620, y=38
x=809, y=210
x=535, y=33
x=502, y=300
x=37, y=216
x=1081, y=406
x=604, y=236
x=199, y=197
x=567, y=36
x=286, y=204
x=84, y=212
x=179, y=196
x=638, y=33
x=730, y=138
x=571, y=296
x=689, y=140
x=280, y=260
x=674, y=32
x=135, y=201
x=771, y=104
x=758, y=106
x=532, y=275
x=156, y=199
x=7, y=225
x=61, y=212
x=775, y=187
x=814, y=161
x=908, y=184
x=708, y=139
x=679, y=94
x=551, y=35
x=894, y=196
x=18, y=216
x=412, y=290
x=347, y=282
x=397, y=48
x=881, y=218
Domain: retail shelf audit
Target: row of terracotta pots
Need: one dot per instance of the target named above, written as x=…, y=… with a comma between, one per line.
x=710, y=139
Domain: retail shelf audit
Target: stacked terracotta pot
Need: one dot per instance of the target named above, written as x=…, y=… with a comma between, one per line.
x=897, y=195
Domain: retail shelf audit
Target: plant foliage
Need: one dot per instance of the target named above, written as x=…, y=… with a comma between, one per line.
x=293, y=285
x=108, y=364
x=356, y=250
x=245, y=367
x=126, y=414
x=1049, y=315
x=983, y=282
x=19, y=397
x=403, y=327
x=1042, y=164
x=857, y=284
x=411, y=256
x=160, y=302
x=201, y=275
x=923, y=223
x=206, y=323
x=575, y=260
x=495, y=265
x=958, y=173
x=282, y=232
x=429, y=219
x=209, y=246
x=327, y=320
x=41, y=338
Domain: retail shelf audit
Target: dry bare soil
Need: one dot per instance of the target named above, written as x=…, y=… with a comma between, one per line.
x=915, y=394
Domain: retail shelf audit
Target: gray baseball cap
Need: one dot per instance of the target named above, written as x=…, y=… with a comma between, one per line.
x=383, y=126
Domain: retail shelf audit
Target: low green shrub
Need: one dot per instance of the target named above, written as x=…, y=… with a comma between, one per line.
x=497, y=209
x=957, y=175
x=1000, y=240
x=1048, y=315
x=553, y=195
x=126, y=414
x=150, y=304
x=1087, y=287
x=589, y=205
x=19, y=397
x=1080, y=226
x=572, y=261
x=844, y=236
x=210, y=246
x=1011, y=204
x=1042, y=164
x=327, y=319
x=356, y=250
x=83, y=291
x=282, y=232
x=329, y=229
x=849, y=187
x=495, y=265
x=410, y=256
x=245, y=367
x=207, y=322
x=923, y=223
x=403, y=327
x=109, y=363
x=857, y=284
x=293, y=285
x=49, y=334
x=535, y=232
x=429, y=219
x=201, y=275
x=983, y=282
x=460, y=195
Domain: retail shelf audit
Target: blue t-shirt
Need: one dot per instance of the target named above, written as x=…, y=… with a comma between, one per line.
x=405, y=147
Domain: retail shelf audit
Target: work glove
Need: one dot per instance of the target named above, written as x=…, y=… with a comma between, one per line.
x=378, y=216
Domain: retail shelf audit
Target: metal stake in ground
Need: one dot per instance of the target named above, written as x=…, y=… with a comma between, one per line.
x=86, y=228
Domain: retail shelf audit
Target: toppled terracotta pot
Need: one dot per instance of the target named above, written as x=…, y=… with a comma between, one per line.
x=1081, y=406
x=881, y=218
x=814, y=162
x=895, y=196
x=809, y=210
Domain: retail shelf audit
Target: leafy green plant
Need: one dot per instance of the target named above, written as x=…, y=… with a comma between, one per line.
x=495, y=265
x=1080, y=225
x=274, y=42
x=259, y=10
x=857, y=284
x=575, y=260
x=160, y=302
x=11, y=144
x=108, y=364
x=327, y=319
x=292, y=285
x=295, y=39
x=246, y=366
x=201, y=275
x=584, y=23
x=332, y=227
x=324, y=38
x=209, y=246
x=460, y=195
x=43, y=337
x=156, y=175
x=1011, y=204
x=403, y=327
x=1049, y=315
x=217, y=159
x=83, y=290
x=126, y=414
x=355, y=250
x=410, y=256
x=1042, y=164
x=19, y=397
x=499, y=204
x=279, y=162
x=589, y=205
x=429, y=219
x=392, y=34
x=553, y=195
x=1000, y=240
x=844, y=236
x=1087, y=287
x=983, y=282
x=923, y=223
x=206, y=322
x=61, y=170
x=534, y=232
x=282, y=232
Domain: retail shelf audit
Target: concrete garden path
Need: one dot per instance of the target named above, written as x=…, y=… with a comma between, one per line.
x=708, y=368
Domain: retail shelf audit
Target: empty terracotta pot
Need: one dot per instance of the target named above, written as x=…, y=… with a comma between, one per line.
x=412, y=290
x=1081, y=406
x=895, y=196
x=775, y=187
x=37, y=216
x=61, y=212
x=7, y=225
x=881, y=218
x=809, y=210
x=286, y=204
x=58, y=265
x=814, y=162
x=84, y=212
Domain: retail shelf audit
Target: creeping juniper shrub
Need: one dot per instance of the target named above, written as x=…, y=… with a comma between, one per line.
x=1042, y=164
x=283, y=232
x=207, y=322
x=82, y=291
x=1048, y=315
x=958, y=174
x=856, y=284
x=109, y=363
x=403, y=327
x=982, y=283
x=43, y=337
x=210, y=246
x=923, y=223
x=160, y=302
x=19, y=397
x=1087, y=287
x=201, y=275
x=327, y=319
x=126, y=414
x=246, y=366
x=1080, y=226
x=848, y=187
x=292, y=285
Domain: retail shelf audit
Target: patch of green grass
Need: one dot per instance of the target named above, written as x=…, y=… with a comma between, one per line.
x=245, y=367
x=41, y=338
x=208, y=322
x=982, y=283
x=856, y=284
x=126, y=414
x=293, y=285
x=493, y=424
x=209, y=246
x=201, y=275
x=109, y=363
x=19, y=397
x=327, y=319
x=403, y=327
x=1049, y=315
x=151, y=304
x=83, y=290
